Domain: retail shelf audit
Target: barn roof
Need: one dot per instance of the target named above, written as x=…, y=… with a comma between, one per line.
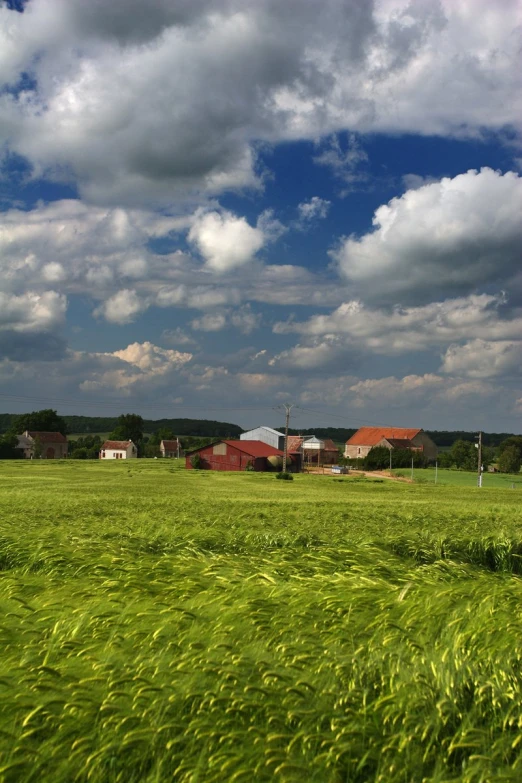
x=294, y=443
x=116, y=444
x=329, y=445
x=254, y=448
x=370, y=436
x=47, y=437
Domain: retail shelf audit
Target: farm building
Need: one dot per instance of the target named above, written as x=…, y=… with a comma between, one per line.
x=237, y=455
x=43, y=445
x=265, y=435
x=313, y=451
x=118, y=449
x=392, y=438
x=170, y=448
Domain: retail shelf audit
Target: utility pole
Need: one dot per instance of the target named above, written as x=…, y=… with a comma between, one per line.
x=479, y=477
x=287, y=408
x=412, y=468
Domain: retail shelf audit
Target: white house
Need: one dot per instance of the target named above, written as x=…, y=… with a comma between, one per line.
x=118, y=449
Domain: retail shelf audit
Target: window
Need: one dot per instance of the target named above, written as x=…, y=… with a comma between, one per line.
x=103, y=454
x=358, y=450
x=219, y=449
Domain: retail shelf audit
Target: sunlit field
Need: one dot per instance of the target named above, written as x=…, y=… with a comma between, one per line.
x=160, y=624
x=462, y=478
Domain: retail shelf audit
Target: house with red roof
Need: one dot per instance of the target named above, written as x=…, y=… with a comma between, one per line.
x=236, y=455
x=394, y=438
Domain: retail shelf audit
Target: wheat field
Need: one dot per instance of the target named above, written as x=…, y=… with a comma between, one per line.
x=161, y=624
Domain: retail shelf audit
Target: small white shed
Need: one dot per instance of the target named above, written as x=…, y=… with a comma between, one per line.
x=118, y=449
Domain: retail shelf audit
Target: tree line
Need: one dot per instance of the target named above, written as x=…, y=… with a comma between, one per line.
x=463, y=455
x=89, y=425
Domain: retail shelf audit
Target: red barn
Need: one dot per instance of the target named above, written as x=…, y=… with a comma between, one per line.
x=234, y=455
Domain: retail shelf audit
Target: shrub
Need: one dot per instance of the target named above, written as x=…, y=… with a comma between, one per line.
x=284, y=476
x=377, y=458
x=195, y=461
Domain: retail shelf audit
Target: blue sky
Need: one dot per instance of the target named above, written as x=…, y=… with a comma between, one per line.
x=213, y=208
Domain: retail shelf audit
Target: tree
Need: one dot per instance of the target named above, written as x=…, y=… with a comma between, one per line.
x=40, y=421
x=37, y=448
x=164, y=433
x=377, y=458
x=129, y=427
x=514, y=441
x=8, y=445
x=509, y=460
x=462, y=455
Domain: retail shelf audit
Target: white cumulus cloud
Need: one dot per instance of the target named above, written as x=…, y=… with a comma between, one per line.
x=32, y=312
x=246, y=72
x=484, y=358
x=224, y=240
x=444, y=238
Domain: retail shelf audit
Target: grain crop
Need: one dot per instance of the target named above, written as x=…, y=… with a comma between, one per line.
x=161, y=624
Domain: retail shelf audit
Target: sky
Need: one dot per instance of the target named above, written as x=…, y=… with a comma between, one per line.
x=211, y=208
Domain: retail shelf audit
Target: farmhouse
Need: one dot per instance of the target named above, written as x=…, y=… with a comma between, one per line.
x=44, y=445
x=392, y=438
x=118, y=449
x=236, y=455
x=170, y=448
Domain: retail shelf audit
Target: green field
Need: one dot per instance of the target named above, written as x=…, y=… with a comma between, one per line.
x=159, y=624
x=462, y=478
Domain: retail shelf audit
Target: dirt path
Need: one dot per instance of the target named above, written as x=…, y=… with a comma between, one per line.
x=369, y=473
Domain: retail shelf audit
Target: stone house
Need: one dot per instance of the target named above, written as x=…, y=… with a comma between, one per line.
x=42, y=445
x=413, y=439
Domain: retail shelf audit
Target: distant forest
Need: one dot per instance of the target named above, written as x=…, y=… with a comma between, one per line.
x=221, y=429
x=85, y=425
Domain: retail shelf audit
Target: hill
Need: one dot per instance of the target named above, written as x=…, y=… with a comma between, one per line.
x=84, y=425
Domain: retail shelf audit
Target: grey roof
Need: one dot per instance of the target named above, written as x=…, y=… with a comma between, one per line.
x=262, y=427
x=312, y=440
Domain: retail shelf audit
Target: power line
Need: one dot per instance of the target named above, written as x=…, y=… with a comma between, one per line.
x=343, y=418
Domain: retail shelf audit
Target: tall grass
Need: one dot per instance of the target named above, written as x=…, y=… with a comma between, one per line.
x=161, y=625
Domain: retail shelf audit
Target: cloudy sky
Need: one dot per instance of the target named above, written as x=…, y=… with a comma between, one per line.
x=212, y=207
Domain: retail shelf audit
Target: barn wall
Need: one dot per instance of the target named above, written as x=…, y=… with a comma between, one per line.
x=430, y=450
x=356, y=451
x=233, y=459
